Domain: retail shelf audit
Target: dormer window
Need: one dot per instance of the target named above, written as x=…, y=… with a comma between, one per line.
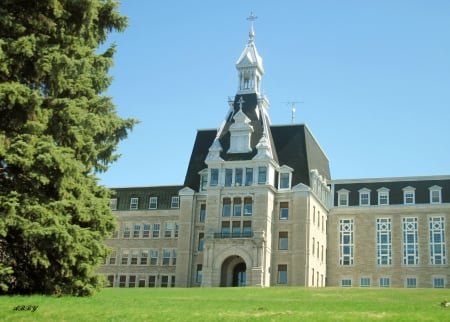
x=343, y=197
x=435, y=194
x=153, y=203
x=364, y=197
x=214, y=181
x=134, y=202
x=113, y=203
x=383, y=196
x=284, y=177
x=409, y=197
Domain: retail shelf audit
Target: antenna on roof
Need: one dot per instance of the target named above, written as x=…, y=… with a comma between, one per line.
x=293, y=110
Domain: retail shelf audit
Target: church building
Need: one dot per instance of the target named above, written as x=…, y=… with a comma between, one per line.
x=258, y=207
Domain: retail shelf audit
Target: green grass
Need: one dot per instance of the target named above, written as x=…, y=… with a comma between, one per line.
x=236, y=304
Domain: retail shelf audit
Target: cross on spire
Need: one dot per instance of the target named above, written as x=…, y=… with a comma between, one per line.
x=241, y=101
x=252, y=17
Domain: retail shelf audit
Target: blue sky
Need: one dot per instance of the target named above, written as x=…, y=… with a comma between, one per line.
x=373, y=77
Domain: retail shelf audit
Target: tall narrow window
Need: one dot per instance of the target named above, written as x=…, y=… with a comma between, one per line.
x=435, y=194
x=153, y=203
x=410, y=241
x=383, y=196
x=238, y=177
x=226, y=208
x=228, y=177
x=409, y=195
x=262, y=175
x=214, y=177
x=146, y=231
x=364, y=197
x=144, y=257
x=384, y=241
x=225, y=231
x=346, y=242
x=343, y=197
x=201, y=242
x=175, y=202
x=134, y=256
x=284, y=210
x=156, y=228
x=437, y=241
x=177, y=229
x=283, y=240
x=284, y=180
x=199, y=273
x=112, y=258
x=154, y=257
x=113, y=204
x=248, y=206
x=134, y=203
x=125, y=256
x=166, y=257
x=203, y=182
x=202, y=212
x=236, y=229
x=248, y=176
x=282, y=274
x=127, y=230
x=168, y=230
x=137, y=231
x=237, y=207
x=246, y=229
x=174, y=257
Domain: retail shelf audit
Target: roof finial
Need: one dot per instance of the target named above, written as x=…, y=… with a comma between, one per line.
x=251, y=18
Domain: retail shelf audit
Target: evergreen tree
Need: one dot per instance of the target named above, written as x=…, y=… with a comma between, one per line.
x=57, y=130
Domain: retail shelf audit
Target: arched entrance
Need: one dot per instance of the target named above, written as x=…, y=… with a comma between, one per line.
x=233, y=272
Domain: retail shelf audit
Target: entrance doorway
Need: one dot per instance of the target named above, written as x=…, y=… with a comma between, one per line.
x=234, y=272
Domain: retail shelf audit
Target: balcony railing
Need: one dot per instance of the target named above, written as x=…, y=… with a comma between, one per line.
x=234, y=235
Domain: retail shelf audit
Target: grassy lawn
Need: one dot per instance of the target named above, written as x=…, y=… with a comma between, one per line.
x=235, y=304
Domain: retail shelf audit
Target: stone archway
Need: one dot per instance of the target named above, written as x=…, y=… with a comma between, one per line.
x=233, y=272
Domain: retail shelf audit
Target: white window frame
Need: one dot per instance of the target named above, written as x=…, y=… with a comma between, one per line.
x=411, y=282
x=409, y=192
x=410, y=232
x=438, y=282
x=343, y=195
x=437, y=228
x=364, y=282
x=113, y=203
x=134, y=203
x=153, y=202
x=346, y=282
x=384, y=241
x=435, y=190
x=384, y=282
x=175, y=202
x=346, y=244
x=383, y=194
x=362, y=200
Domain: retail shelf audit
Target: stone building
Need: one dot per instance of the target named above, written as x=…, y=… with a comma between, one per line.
x=258, y=208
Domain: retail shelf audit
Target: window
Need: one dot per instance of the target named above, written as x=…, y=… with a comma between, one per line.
x=132, y=281
x=214, y=177
x=248, y=206
x=383, y=196
x=172, y=281
x=168, y=230
x=346, y=282
x=284, y=180
x=385, y=282
x=384, y=241
x=225, y=231
x=134, y=256
x=134, y=202
x=111, y=280
x=236, y=229
x=141, y=282
x=437, y=241
x=238, y=179
x=201, y=241
x=177, y=229
x=435, y=194
x=203, y=182
x=346, y=242
x=156, y=230
x=283, y=240
x=202, y=212
x=146, y=231
x=166, y=257
x=284, y=210
x=175, y=202
x=226, y=208
x=411, y=282
x=127, y=230
x=237, y=207
x=152, y=281
x=282, y=274
x=136, y=231
x=247, y=229
x=410, y=241
x=144, y=257
x=313, y=246
x=438, y=282
x=364, y=197
x=248, y=176
x=262, y=175
x=343, y=198
x=364, y=282
x=124, y=257
x=153, y=203
x=174, y=257
x=113, y=204
x=164, y=281
x=228, y=177
x=154, y=257
x=199, y=273
x=112, y=258
x=409, y=195
x=122, y=280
